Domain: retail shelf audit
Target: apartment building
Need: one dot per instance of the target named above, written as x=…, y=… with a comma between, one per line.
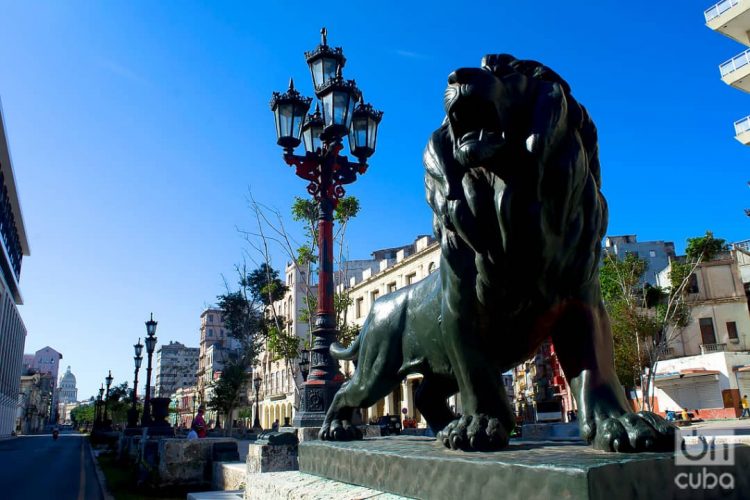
x=731, y=18
x=176, y=366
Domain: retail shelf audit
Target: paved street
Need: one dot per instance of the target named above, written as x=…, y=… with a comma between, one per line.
x=37, y=467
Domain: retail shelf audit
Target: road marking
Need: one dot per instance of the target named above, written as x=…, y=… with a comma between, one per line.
x=82, y=484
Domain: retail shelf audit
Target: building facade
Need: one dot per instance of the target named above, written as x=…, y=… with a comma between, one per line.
x=212, y=333
x=176, y=366
x=13, y=247
x=278, y=395
x=35, y=402
x=656, y=254
x=396, y=268
x=707, y=364
x=732, y=19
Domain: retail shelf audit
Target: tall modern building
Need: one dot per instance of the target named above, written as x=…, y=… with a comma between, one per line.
x=731, y=18
x=176, y=366
x=13, y=247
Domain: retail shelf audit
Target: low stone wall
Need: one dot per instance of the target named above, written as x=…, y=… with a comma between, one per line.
x=228, y=476
x=187, y=462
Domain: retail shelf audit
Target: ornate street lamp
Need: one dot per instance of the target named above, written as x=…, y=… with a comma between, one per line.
x=137, y=359
x=304, y=363
x=256, y=385
x=98, y=408
x=150, y=346
x=341, y=112
x=108, y=380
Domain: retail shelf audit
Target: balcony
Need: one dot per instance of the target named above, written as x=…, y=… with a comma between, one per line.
x=710, y=348
x=730, y=18
x=742, y=130
x=736, y=71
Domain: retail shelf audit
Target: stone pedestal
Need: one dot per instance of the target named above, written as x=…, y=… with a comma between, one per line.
x=417, y=467
x=274, y=452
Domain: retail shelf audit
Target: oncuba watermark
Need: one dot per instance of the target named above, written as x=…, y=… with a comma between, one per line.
x=705, y=460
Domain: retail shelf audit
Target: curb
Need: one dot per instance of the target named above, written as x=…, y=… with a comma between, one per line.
x=106, y=495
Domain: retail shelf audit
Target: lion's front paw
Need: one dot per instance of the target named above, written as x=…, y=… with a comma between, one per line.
x=339, y=430
x=474, y=433
x=631, y=432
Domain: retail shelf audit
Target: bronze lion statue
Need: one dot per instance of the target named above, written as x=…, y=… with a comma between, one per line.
x=512, y=176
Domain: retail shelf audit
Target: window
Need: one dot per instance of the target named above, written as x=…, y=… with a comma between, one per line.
x=411, y=278
x=708, y=336
x=374, y=296
x=692, y=286
x=210, y=332
x=651, y=253
x=732, y=330
x=392, y=287
x=210, y=318
x=431, y=268
x=358, y=306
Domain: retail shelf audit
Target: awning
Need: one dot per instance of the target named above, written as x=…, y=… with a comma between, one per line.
x=683, y=374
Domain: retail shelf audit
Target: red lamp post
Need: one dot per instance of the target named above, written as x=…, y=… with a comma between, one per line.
x=343, y=113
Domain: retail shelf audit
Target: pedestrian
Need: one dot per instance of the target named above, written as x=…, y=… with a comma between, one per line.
x=745, y=407
x=199, y=422
x=192, y=434
x=275, y=425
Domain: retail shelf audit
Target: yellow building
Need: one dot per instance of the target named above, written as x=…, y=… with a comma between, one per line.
x=397, y=268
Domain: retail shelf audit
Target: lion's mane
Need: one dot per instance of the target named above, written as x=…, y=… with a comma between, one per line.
x=532, y=217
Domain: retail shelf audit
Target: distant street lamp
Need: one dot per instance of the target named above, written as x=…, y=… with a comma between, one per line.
x=108, y=380
x=195, y=398
x=256, y=385
x=150, y=346
x=137, y=359
x=98, y=407
x=343, y=112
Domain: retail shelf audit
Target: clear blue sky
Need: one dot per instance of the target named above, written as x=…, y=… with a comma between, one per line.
x=136, y=129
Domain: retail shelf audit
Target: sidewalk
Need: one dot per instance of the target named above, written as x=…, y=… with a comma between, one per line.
x=737, y=426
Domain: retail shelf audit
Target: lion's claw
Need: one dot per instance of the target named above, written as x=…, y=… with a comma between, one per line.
x=632, y=432
x=339, y=430
x=474, y=433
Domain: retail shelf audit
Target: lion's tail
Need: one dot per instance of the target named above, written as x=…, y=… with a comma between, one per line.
x=346, y=353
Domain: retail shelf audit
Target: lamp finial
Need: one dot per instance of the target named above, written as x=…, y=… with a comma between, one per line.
x=323, y=36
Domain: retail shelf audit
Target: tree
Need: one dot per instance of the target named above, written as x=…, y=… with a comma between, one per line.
x=631, y=323
x=83, y=414
x=245, y=319
x=227, y=392
x=270, y=230
x=705, y=247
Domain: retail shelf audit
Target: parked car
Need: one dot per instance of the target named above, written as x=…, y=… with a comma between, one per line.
x=389, y=425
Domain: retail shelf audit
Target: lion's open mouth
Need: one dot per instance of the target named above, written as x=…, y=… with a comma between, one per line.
x=476, y=128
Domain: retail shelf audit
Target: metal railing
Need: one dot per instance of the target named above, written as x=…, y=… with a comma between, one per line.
x=706, y=348
x=735, y=63
x=742, y=126
x=744, y=244
x=718, y=9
